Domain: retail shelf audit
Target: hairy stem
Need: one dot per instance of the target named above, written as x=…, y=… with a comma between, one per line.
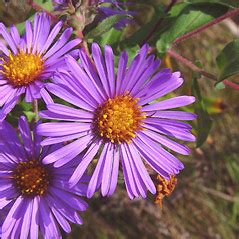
x=229, y=14
x=35, y=109
x=195, y=68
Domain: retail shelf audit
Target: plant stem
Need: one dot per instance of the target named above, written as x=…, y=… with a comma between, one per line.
x=229, y=14
x=157, y=25
x=231, y=84
x=35, y=109
x=195, y=68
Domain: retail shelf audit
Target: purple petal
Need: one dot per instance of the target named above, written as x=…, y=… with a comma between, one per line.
x=84, y=80
x=115, y=170
x=29, y=35
x=176, y=132
x=70, y=97
x=87, y=158
x=96, y=178
x=35, y=218
x=161, y=89
x=51, y=37
x=151, y=67
x=69, y=199
x=101, y=68
x=26, y=136
x=68, y=46
x=109, y=60
x=72, y=150
x=128, y=175
x=142, y=169
x=50, y=141
x=107, y=171
x=46, y=97
x=181, y=149
x=8, y=38
x=79, y=115
x=59, y=43
x=177, y=115
x=47, y=222
x=61, y=220
x=57, y=129
x=121, y=71
x=26, y=220
x=170, y=103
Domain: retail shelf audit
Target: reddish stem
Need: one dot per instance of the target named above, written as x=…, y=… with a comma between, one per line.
x=231, y=84
x=195, y=68
x=202, y=28
x=157, y=25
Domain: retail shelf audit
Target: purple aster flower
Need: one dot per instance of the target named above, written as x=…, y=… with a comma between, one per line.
x=29, y=60
x=37, y=196
x=119, y=118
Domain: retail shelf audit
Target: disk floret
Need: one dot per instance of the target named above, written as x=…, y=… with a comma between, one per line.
x=31, y=178
x=118, y=119
x=23, y=68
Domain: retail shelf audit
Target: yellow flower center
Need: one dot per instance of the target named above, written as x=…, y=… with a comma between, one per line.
x=31, y=178
x=23, y=68
x=118, y=119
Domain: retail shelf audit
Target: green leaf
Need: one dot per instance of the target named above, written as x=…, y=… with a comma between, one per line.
x=204, y=121
x=45, y=4
x=30, y=115
x=228, y=60
x=229, y=3
x=21, y=27
x=111, y=37
x=220, y=86
x=186, y=18
x=105, y=26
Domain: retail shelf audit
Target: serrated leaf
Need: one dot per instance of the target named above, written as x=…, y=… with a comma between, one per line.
x=228, y=60
x=204, y=121
x=190, y=17
x=106, y=25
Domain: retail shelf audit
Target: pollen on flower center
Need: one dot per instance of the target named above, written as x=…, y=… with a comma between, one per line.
x=31, y=178
x=23, y=68
x=118, y=119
